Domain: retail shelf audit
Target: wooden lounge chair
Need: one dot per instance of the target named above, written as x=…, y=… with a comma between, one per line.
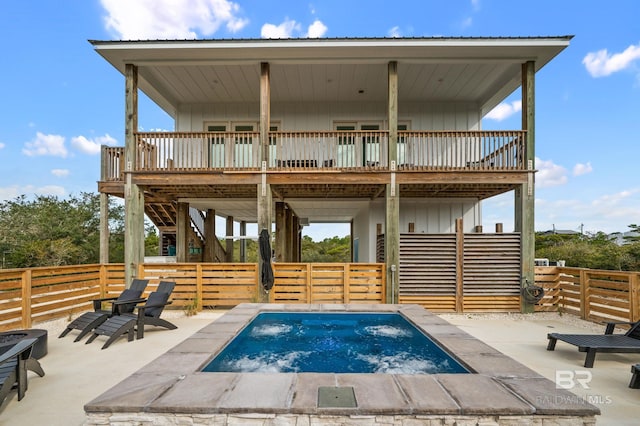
x=124, y=303
x=14, y=364
x=594, y=343
x=148, y=314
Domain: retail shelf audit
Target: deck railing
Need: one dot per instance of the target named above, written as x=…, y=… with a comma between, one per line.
x=321, y=150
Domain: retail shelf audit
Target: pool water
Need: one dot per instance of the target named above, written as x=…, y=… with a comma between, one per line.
x=324, y=342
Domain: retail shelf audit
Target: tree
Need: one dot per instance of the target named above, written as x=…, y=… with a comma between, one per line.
x=48, y=231
x=334, y=249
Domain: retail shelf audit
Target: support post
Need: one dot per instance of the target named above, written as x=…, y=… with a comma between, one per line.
x=210, y=236
x=392, y=114
x=133, y=196
x=525, y=194
x=296, y=239
x=289, y=234
x=104, y=228
x=459, y=265
x=392, y=242
x=182, y=235
x=243, y=241
x=265, y=110
x=392, y=226
x=229, y=241
x=281, y=226
x=264, y=222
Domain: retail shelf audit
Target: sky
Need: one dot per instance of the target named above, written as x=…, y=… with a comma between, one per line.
x=61, y=101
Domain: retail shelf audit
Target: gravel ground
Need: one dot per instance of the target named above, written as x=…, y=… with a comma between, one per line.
x=568, y=319
x=55, y=327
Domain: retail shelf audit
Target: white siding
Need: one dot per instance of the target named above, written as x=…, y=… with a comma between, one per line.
x=321, y=116
x=430, y=216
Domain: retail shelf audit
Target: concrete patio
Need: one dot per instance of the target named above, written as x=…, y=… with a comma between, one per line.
x=77, y=373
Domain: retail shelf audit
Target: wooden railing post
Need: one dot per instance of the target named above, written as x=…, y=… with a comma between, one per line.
x=309, y=284
x=199, y=292
x=346, y=282
x=584, y=294
x=634, y=297
x=103, y=280
x=459, y=266
x=26, y=298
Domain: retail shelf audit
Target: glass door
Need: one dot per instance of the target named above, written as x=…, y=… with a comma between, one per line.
x=346, y=145
x=371, y=149
x=217, y=145
x=243, y=155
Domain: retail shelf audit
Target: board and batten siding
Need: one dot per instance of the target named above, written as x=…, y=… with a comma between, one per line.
x=429, y=216
x=307, y=116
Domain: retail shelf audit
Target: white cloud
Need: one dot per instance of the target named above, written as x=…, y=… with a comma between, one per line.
x=504, y=110
x=2, y=145
x=92, y=146
x=394, y=32
x=11, y=192
x=317, y=29
x=466, y=23
x=46, y=145
x=610, y=200
x=602, y=63
x=284, y=30
x=582, y=169
x=289, y=28
x=171, y=19
x=549, y=174
x=60, y=172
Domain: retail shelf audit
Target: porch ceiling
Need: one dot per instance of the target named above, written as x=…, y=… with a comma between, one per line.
x=478, y=70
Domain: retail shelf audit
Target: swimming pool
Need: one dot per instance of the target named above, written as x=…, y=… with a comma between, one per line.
x=326, y=342
x=499, y=390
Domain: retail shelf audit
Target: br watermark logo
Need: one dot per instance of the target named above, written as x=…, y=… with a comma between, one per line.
x=578, y=380
x=570, y=379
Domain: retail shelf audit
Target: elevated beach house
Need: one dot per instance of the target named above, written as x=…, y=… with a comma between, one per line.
x=381, y=133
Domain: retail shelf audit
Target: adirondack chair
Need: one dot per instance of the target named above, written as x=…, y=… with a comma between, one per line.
x=14, y=364
x=130, y=323
x=124, y=303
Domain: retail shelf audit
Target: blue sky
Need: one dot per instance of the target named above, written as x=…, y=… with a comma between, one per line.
x=61, y=101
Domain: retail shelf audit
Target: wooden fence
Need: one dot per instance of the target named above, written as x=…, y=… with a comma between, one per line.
x=460, y=272
x=595, y=295
x=31, y=296
x=35, y=295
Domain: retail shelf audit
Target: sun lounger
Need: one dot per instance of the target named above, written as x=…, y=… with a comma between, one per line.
x=594, y=343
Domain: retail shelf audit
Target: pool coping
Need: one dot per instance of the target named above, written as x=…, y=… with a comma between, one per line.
x=501, y=386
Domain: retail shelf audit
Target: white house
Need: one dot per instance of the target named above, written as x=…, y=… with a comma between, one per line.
x=381, y=133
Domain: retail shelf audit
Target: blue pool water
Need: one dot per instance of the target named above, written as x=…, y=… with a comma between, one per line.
x=324, y=342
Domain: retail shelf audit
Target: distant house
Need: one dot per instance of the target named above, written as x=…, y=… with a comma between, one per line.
x=622, y=238
x=560, y=232
x=384, y=134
